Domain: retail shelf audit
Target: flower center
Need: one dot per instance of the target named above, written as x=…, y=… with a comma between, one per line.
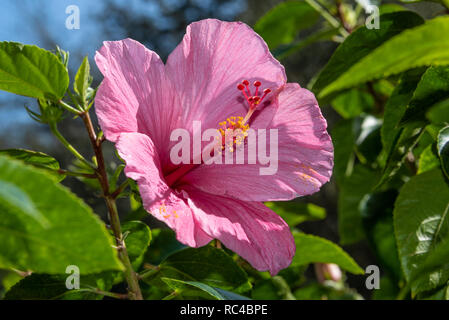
x=234, y=129
x=233, y=132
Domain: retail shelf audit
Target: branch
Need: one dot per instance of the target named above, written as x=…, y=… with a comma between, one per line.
x=130, y=275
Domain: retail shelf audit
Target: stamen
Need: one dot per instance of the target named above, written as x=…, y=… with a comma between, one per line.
x=253, y=100
x=265, y=92
x=241, y=87
x=246, y=83
x=257, y=84
x=228, y=127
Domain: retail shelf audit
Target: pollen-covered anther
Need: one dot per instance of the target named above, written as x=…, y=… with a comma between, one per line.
x=233, y=132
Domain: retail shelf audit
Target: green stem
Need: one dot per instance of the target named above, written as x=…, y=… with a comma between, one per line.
x=75, y=102
x=283, y=288
x=69, y=108
x=77, y=174
x=106, y=293
x=326, y=15
x=149, y=273
x=120, y=189
x=130, y=275
x=171, y=295
x=68, y=146
x=404, y=292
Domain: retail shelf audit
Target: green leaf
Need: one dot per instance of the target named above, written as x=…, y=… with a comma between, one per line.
x=390, y=7
x=82, y=79
x=209, y=265
x=343, y=138
x=397, y=104
x=352, y=190
x=51, y=287
x=294, y=212
x=443, y=149
x=406, y=139
x=439, y=113
x=421, y=226
x=265, y=290
x=31, y=71
x=428, y=159
x=193, y=289
x=437, y=294
x=8, y=278
x=413, y=1
x=67, y=232
x=388, y=289
x=377, y=218
x=281, y=24
x=329, y=290
x=283, y=51
x=34, y=158
x=360, y=44
x=163, y=244
x=311, y=249
x=433, y=88
x=352, y=103
x=421, y=46
x=275, y=288
x=138, y=238
x=229, y=295
x=13, y=197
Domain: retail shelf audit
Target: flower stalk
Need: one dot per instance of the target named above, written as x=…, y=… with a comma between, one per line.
x=68, y=146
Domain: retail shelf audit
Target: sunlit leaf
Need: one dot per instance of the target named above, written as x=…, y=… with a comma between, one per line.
x=31, y=71
x=361, y=44
x=310, y=249
x=64, y=230
x=421, y=223
x=421, y=46
x=281, y=24
x=443, y=149
x=294, y=212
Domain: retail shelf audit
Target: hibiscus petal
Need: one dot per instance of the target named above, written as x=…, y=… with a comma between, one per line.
x=135, y=95
x=250, y=229
x=143, y=165
x=211, y=60
x=305, y=156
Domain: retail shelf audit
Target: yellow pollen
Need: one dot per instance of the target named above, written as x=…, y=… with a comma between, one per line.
x=237, y=128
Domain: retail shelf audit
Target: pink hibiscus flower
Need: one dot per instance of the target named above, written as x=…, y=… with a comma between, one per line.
x=141, y=101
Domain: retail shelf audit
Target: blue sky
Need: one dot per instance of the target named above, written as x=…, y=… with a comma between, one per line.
x=26, y=20
x=19, y=22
